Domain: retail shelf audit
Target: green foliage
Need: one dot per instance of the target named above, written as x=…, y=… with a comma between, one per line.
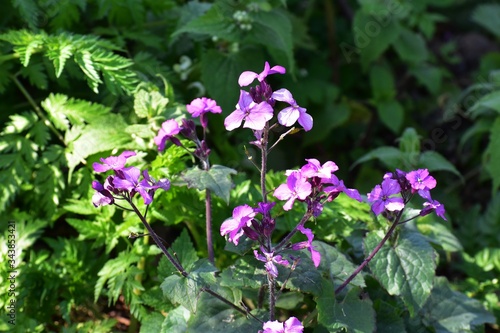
x=386, y=83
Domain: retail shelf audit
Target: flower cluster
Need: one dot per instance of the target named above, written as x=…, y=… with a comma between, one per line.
x=398, y=188
x=125, y=182
x=313, y=183
x=256, y=107
x=291, y=325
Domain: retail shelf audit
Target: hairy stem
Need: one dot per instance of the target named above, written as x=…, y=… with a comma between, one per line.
x=272, y=295
x=208, y=225
x=158, y=241
x=372, y=254
x=263, y=167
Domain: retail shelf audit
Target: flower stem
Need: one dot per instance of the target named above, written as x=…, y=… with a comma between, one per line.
x=263, y=167
x=158, y=241
x=272, y=296
x=287, y=238
x=372, y=254
x=208, y=225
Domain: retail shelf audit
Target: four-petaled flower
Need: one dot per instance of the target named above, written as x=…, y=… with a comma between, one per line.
x=315, y=255
x=199, y=107
x=247, y=77
x=255, y=115
x=291, y=325
x=421, y=180
x=313, y=168
x=270, y=259
x=296, y=187
x=102, y=196
x=113, y=162
x=289, y=115
x=381, y=199
x=168, y=130
x=129, y=182
x=242, y=217
x=431, y=205
x=338, y=186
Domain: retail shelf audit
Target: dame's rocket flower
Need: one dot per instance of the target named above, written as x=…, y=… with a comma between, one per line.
x=289, y=115
x=291, y=325
x=168, y=130
x=381, y=199
x=242, y=217
x=113, y=162
x=255, y=115
x=199, y=107
x=296, y=187
x=247, y=77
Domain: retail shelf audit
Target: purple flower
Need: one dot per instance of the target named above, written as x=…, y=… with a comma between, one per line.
x=255, y=115
x=128, y=181
x=289, y=115
x=152, y=184
x=270, y=259
x=313, y=168
x=338, y=186
x=421, y=180
x=113, y=162
x=296, y=187
x=292, y=325
x=199, y=107
x=380, y=197
x=101, y=197
x=242, y=217
x=315, y=255
x=431, y=205
x=168, y=130
x=247, y=77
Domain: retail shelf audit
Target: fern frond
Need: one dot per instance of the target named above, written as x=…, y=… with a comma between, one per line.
x=29, y=11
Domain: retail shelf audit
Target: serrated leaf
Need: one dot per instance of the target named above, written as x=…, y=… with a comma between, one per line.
x=336, y=265
x=29, y=11
x=491, y=156
x=84, y=59
x=449, y=311
x=405, y=269
x=59, y=51
x=35, y=73
x=434, y=161
x=305, y=277
x=391, y=113
x=184, y=250
x=489, y=101
x=246, y=272
x=186, y=290
x=149, y=103
x=411, y=47
x=437, y=233
x=175, y=321
x=217, y=180
x=354, y=312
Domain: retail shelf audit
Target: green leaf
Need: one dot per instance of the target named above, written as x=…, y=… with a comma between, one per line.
x=214, y=316
x=373, y=36
x=434, y=161
x=391, y=113
x=354, y=312
x=175, y=321
x=29, y=11
x=184, y=250
x=35, y=73
x=438, y=234
x=217, y=180
x=449, y=311
x=273, y=29
x=336, y=265
x=246, y=272
x=405, y=269
x=409, y=142
x=487, y=16
x=389, y=318
x=382, y=83
x=186, y=290
x=60, y=50
x=305, y=277
x=84, y=59
x=148, y=104
x=429, y=76
x=411, y=47
x=390, y=156
x=491, y=156
x=489, y=101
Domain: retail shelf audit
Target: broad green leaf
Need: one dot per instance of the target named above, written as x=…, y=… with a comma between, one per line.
x=305, y=277
x=332, y=116
x=273, y=29
x=434, y=161
x=389, y=317
x=186, y=290
x=336, y=265
x=391, y=113
x=429, y=76
x=175, y=321
x=148, y=104
x=486, y=15
x=184, y=250
x=390, y=156
x=373, y=36
x=246, y=272
x=217, y=180
x=382, y=83
x=438, y=234
x=354, y=312
x=449, y=311
x=152, y=322
x=214, y=316
x=491, y=156
x=404, y=269
x=489, y=101
x=411, y=47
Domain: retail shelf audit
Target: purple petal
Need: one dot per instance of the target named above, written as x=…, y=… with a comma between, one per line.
x=288, y=116
x=306, y=121
x=246, y=78
x=234, y=120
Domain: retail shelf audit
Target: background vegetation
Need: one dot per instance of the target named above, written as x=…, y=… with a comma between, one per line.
x=388, y=83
